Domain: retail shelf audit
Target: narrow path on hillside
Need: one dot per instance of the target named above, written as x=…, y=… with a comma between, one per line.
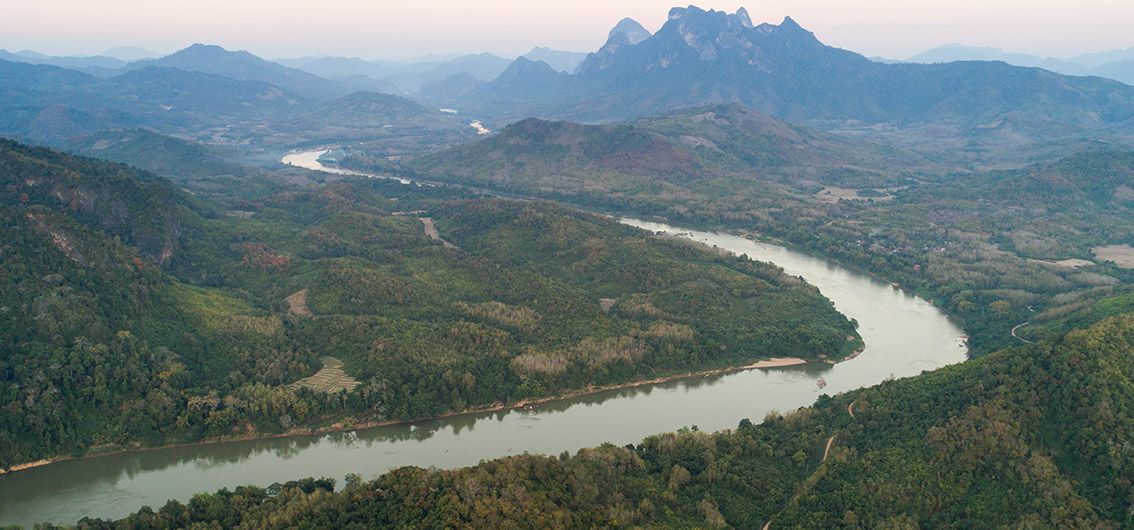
x=1018, y=326
x=826, y=453
x=827, y=450
x=1019, y=338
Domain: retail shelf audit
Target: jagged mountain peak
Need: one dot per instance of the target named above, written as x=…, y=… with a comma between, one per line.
x=738, y=19
x=742, y=16
x=790, y=24
x=628, y=31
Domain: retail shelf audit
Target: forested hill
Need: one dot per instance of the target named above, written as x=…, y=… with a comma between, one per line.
x=136, y=313
x=1034, y=437
x=697, y=152
x=996, y=248
x=139, y=208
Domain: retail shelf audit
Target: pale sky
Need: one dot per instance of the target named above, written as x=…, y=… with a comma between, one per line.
x=376, y=29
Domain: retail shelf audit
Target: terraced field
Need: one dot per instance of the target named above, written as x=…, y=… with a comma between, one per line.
x=330, y=379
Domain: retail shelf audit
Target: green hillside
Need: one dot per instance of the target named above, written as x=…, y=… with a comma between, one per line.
x=1035, y=437
x=141, y=313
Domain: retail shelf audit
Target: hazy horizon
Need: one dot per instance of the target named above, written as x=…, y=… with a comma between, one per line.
x=356, y=28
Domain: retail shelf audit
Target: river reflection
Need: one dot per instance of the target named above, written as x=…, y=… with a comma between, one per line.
x=904, y=335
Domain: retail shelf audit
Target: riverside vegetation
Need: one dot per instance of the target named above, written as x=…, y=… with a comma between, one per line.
x=994, y=248
x=1038, y=436
x=145, y=314
x=139, y=313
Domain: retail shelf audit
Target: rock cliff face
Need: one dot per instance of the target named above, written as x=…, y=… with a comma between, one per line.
x=137, y=207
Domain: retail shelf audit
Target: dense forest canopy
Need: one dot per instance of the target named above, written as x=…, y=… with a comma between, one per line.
x=140, y=313
x=1034, y=437
x=213, y=294
x=991, y=247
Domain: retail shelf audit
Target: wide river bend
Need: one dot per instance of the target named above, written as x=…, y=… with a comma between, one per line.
x=904, y=336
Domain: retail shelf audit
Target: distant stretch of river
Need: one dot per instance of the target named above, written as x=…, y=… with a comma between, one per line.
x=904, y=336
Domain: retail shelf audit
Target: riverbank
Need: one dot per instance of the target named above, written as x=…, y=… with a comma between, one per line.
x=359, y=424
x=905, y=336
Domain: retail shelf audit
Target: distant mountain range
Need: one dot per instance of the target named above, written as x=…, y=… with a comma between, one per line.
x=696, y=58
x=95, y=65
x=202, y=91
x=244, y=66
x=562, y=61
x=1116, y=64
x=411, y=77
x=702, y=57
x=400, y=78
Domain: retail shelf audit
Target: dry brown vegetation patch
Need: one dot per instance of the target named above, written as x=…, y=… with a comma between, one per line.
x=590, y=351
x=261, y=257
x=297, y=304
x=670, y=330
x=521, y=318
x=640, y=305
x=1121, y=255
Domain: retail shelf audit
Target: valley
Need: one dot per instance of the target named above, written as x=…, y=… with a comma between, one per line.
x=715, y=273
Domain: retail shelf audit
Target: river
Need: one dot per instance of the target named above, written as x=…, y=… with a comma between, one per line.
x=904, y=336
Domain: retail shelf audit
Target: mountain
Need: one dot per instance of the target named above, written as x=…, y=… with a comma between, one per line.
x=628, y=32
x=706, y=158
x=397, y=77
x=173, y=158
x=139, y=208
x=523, y=80
x=338, y=67
x=563, y=61
x=130, y=53
x=450, y=90
x=243, y=66
x=60, y=106
x=185, y=97
x=700, y=57
x=1101, y=177
x=482, y=66
x=97, y=64
x=365, y=114
x=1097, y=59
x=1122, y=70
x=53, y=104
x=26, y=83
x=1117, y=64
x=960, y=52
x=48, y=103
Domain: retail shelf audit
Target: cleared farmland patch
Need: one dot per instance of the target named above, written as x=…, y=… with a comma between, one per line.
x=330, y=379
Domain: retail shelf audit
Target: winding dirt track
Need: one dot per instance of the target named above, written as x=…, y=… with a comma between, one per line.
x=1021, y=339
x=826, y=452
